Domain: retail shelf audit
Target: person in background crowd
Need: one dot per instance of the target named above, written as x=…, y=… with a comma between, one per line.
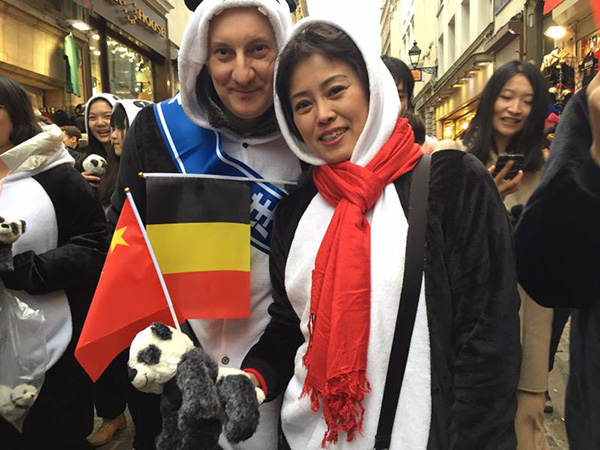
x=97, y=124
x=226, y=68
x=405, y=83
x=112, y=389
x=417, y=126
x=61, y=118
x=71, y=139
x=558, y=244
x=57, y=263
x=331, y=338
x=79, y=119
x=510, y=119
x=44, y=121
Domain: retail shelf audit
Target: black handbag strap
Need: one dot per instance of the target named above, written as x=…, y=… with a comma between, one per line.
x=409, y=300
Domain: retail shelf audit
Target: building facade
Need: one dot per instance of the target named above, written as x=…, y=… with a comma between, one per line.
x=464, y=41
x=62, y=53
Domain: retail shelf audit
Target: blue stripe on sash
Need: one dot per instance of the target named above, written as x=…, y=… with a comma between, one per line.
x=198, y=150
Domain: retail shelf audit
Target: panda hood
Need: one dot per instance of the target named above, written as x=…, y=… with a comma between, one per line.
x=131, y=107
x=383, y=109
x=196, y=91
x=94, y=146
x=42, y=152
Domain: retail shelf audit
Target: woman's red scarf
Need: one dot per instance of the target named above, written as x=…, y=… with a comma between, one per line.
x=340, y=311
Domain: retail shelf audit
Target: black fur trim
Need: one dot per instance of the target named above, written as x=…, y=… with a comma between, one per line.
x=161, y=331
x=150, y=355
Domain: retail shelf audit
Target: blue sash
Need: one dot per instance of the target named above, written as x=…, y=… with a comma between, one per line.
x=198, y=150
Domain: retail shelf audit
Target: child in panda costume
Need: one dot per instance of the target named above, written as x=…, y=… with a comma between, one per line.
x=57, y=263
x=222, y=122
x=337, y=264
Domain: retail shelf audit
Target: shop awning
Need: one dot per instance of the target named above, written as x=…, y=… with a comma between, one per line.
x=549, y=5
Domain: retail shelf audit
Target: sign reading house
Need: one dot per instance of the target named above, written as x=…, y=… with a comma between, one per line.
x=138, y=19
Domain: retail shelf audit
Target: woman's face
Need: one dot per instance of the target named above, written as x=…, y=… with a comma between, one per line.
x=242, y=52
x=99, y=120
x=117, y=137
x=513, y=106
x=6, y=127
x=330, y=106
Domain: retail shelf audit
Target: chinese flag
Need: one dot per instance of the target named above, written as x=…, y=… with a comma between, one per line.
x=129, y=297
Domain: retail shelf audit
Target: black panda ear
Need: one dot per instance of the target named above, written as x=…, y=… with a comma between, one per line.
x=161, y=331
x=192, y=4
x=292, y=5
x=23, y=224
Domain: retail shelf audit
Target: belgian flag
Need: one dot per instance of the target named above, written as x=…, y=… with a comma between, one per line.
x=199, y=229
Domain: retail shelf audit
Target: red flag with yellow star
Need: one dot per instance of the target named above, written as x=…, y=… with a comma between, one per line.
x=129, y=297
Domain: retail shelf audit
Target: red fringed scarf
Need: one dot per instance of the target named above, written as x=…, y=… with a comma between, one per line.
x=340, y=311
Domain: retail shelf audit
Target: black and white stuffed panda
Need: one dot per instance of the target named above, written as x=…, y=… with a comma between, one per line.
x=199, y=400
x=95, y=164
x=10, y=231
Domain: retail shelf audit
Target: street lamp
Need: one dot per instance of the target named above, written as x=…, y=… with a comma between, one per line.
x=414, y=55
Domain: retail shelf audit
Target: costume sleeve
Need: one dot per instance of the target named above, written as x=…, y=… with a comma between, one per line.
x=558, y=236
x=483, y=284
x=82, y=238
x=273, y=355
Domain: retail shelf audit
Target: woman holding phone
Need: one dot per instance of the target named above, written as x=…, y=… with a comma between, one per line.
x=338, y=258
x=509, y=121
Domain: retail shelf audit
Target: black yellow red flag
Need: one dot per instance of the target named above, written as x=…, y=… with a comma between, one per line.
x=199, y=229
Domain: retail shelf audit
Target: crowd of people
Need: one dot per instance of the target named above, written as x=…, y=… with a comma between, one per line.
x=506, y=239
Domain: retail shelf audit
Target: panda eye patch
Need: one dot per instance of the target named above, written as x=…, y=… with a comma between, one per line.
x=150, y=355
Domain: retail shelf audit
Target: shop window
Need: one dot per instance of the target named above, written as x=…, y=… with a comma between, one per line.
x=130, y=73
x=95, y=61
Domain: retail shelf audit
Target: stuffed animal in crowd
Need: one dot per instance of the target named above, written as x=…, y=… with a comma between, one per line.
x=95, y=164
x=14, y=402
x=10, y=231
x=199, y=399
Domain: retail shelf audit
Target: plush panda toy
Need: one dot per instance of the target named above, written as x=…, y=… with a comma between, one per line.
x=95, y=164
x=10, y=231
x=199, y=399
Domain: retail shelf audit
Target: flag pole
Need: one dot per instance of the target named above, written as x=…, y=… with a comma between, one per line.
x=156, y=266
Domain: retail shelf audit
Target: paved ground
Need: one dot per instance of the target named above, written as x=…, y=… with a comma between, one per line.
x=555, y=422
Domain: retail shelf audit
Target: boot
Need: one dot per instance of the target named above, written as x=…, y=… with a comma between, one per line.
x=107, y=430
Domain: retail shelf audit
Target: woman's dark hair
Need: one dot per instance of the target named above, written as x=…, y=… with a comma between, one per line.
x=15, y=101
x=322, y=39
x=401, y=73
x=118, y=119
x=479, y=137
x=417, y=126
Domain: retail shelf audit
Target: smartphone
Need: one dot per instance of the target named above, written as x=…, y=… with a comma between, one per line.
x=503, y=160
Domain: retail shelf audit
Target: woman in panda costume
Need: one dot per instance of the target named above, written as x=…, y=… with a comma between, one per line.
x=337, y=265
x=57, y=263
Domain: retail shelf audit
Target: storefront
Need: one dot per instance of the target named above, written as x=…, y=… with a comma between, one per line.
x=129, y=50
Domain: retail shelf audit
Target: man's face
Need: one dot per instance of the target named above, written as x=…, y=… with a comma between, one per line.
x=242, y=52
x=403, y=98
x=69, y=141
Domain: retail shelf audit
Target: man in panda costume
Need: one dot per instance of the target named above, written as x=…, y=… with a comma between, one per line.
x=222, y=122
x=56, y=266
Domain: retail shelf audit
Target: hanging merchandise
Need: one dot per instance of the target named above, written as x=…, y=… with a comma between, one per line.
x=71, y=55
x=560, y=77
x=590, y=52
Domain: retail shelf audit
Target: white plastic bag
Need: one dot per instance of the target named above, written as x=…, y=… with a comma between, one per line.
x=23, y=358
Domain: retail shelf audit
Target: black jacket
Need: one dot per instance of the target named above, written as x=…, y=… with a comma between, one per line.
x=472, y=305
x=558, y=248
